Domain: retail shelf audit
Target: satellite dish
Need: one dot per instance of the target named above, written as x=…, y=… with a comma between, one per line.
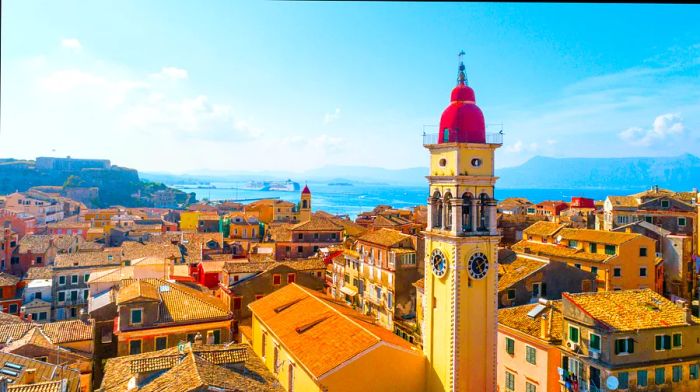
x=612, y=383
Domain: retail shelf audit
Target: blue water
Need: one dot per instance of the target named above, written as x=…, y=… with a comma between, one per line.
x=354, y=199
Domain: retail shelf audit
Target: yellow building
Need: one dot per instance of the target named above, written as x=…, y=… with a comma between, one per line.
x=312, y=343
x=191, y=220
x=461, y=239
x=620, y=261
x=99, y=217
x=635, y=339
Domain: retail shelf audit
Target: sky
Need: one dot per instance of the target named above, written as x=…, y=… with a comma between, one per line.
x=224, y=86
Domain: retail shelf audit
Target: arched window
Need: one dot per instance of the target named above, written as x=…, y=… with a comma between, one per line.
x=436, y=209
x=467, y=211
x=483, y=211
x=448, y=206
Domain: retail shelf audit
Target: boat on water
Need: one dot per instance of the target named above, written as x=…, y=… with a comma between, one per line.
x=280, y=186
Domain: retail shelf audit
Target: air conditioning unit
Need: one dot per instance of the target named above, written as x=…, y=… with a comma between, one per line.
x=572, y=346
x=595, y=354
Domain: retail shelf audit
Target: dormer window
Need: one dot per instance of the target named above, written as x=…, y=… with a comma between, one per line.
x=665, y=203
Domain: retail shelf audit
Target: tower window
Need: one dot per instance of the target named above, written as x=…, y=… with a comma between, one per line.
x=443, y=162
x=476, y=162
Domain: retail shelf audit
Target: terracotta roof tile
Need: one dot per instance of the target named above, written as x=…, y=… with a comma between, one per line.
x=543, y=228
x=516, y=317
x=598, y=236
x=623, y=201
x=68, y=331
x=384, y=237
x=297, y=316
x=317, y=224
x=8, y=280
x=516, y=271
x=628, y=310
x=553, y=250
x=198, y=368
x=39, y=273
x=47, y=376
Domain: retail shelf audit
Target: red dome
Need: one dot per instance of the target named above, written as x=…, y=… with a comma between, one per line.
x=462, y=121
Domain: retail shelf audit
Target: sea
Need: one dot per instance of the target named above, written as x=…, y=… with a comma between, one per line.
x=356, y=198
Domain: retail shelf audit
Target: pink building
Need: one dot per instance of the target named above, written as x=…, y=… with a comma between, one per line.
x=79, y=228
x=21, y=223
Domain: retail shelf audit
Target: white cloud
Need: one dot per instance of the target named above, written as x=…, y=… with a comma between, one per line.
x=112, y=91
x=171, y=73
x=520, y=146
x=331, y=117
x=71, y=43
x=665, y=126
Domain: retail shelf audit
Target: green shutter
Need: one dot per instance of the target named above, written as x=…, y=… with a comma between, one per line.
x=667, y=342
x=659, y=343
x=630, y=345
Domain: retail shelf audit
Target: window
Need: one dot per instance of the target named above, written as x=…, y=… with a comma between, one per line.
x=61, y=296
x=315, y=236
x=42, y=316
x=217, y=336
x=693, y=371
x=389, y=300
x=13, y=308
x=530, y=387
x=594, y=342
x=665, y=203
x=573, y=244
x=276, y=279
x=677, y=340
x=573, y=334
x=642, y=252
x=134, y=347
x=610, y=249
x=136, y=316
x=649, y=219
x=642, y=378
x=510, y=381
x=300, y=249
x=617, y=272
x=593, y=248
x=39, y=260
x=61, y=280
x=531, y=355
x=624, y=379
x=300, y=236
x=86, y=277
x=161, y=343
x=263, y=345
x=73, y=312
x=510, y=346
x=291, y=277
x=577, y=265
x=624, y=346
x=276, y=359
x=37, y=295
x=660, y=376
x=511, y=294
x=643, y=271
x=663, y=342
x=681, y=222
x=536, y=290
x=237, y=303
x=74, y=279
x=677, y=373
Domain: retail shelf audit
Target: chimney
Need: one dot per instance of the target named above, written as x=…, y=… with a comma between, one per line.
x=198, y=339
x=688, y=313
x=83, y=315
x=544, y=330
x=30, y=376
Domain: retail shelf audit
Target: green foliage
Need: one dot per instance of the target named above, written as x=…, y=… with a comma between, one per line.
x=73, y=181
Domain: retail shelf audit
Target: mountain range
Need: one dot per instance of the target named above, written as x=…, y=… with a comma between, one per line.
x=678, y=173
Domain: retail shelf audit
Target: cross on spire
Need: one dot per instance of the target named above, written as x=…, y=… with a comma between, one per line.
x=461, y=75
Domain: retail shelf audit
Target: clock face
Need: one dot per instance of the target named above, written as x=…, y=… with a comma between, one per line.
x=438, y=262
x=478, y=265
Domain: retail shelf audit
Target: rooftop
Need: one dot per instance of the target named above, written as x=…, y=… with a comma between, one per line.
x=517, y=270
x=207, y=367
x=629, y=310
x=297, y=316
x=543, y=228
x=598, y=236
x=554, y=250
x=516, y=317
x=384, y=237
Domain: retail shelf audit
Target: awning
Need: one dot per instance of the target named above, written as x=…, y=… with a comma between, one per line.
x=349, y=290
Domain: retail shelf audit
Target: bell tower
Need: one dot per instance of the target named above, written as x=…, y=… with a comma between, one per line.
x=460, y=307
x=305, y=205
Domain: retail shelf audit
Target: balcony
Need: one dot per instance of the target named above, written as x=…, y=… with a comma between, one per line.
x=495, y=136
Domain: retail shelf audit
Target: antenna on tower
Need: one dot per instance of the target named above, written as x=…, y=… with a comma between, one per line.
x=461, y=75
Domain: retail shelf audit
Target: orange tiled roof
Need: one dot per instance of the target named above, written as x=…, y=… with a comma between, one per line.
x=543, y=228
x=179, y=303
x=598, y=236
x=68, y=331
x=297, y=316
x=536, y=248
x=8, y=280
x=623, y=201
x=516, y=271
x=48, y=377
x=516, y=317
x=384, y=237
x=629, y=310
x=317, y=224
x=137, y=291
